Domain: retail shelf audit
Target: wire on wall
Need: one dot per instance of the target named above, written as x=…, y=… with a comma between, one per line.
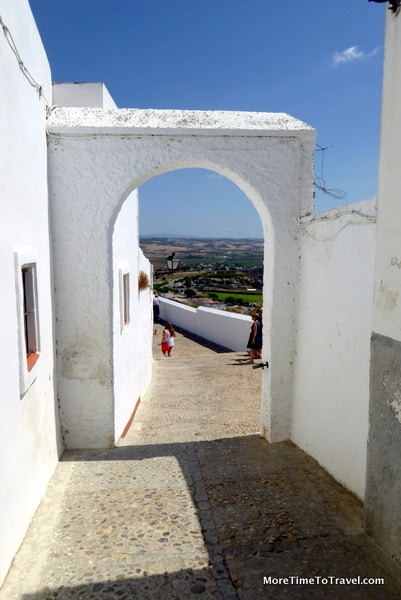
x=320, y=182
x=334, y=214
x=351, y=216
x=25, y=71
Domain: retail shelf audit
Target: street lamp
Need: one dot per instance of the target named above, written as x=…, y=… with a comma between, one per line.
x=172, y=263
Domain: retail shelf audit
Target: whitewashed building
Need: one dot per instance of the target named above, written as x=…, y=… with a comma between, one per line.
x=70, y=265
x=35, y=428
x=30, y=441
x=383, y=482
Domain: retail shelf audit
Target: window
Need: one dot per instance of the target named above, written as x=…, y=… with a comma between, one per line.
x=125, y=296
x=30, y=315
x=25, y=264
x=126, y=318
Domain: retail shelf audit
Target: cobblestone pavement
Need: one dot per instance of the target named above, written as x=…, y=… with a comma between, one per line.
x=194, y=504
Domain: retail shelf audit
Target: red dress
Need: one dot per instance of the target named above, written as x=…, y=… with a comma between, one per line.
x=165, y=341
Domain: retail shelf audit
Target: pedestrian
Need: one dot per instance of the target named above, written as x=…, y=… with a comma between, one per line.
x=156, y=308
x=165, y=345
x=259, y=314
x=255, y=338
x=173, y=334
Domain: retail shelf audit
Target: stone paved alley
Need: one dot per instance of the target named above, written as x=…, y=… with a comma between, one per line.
x=194, y=504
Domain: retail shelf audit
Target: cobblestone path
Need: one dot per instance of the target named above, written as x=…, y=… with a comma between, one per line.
x=194, y=504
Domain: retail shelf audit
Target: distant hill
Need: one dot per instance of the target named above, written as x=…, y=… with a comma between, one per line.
x=178, y=236
x=160, y=236
x=194, y=252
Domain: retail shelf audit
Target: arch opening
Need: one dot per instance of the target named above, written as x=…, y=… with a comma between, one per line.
x=171, y=196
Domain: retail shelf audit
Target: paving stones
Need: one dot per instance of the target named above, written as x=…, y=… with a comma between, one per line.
x=194, y=504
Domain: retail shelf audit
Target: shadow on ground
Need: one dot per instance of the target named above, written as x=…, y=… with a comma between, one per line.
x=194, y=504
x=265, y=511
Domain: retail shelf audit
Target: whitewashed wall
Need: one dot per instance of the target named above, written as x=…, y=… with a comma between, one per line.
x=103, y=392
x=82, y=94
x=383, y=488
x=227, y=329
x=97, y=157
x=145, y=330
x=132, y=342
x=28, y=421
x=330, y=411
x=387, y=315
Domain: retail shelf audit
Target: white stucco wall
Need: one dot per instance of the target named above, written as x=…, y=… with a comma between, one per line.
x=227, y=329
x=28, y=421
x=132, y=342
x=330, y=412
x=96, y=159
x=145, y=328
x=82, y=94
x=383, y=487
x=387, y=314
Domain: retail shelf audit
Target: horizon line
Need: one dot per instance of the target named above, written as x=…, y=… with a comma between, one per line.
x=198, y=237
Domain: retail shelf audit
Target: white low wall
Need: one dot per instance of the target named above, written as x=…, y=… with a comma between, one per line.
x=331, y=398
x=227, y=329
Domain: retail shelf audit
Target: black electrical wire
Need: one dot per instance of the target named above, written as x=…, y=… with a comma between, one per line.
x=28, y=76
x=320, y=182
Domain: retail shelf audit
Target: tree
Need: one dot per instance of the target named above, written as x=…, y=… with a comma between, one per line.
x=213, y=296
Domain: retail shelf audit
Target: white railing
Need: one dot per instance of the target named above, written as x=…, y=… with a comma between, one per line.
x=227, y=329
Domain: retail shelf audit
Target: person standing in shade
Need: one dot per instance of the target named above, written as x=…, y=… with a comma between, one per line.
x=255, y=338
x=156, y=308
x=259, y=314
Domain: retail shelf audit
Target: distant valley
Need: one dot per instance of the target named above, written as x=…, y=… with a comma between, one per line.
x=192, y=252
x=221, y=273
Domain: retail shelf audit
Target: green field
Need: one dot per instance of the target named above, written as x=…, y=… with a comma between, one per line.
x=251, y=297
x=191, y=261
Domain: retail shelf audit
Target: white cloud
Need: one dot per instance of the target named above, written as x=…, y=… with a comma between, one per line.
x=351, y=54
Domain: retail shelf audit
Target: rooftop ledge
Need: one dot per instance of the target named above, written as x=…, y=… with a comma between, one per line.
x=81, y=121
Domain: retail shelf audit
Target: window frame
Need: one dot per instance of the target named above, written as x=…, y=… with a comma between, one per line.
x=26, y=276
x=125, y=296
x=30, y=304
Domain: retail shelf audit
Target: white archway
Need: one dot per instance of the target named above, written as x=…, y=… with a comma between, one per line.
x=96, y=159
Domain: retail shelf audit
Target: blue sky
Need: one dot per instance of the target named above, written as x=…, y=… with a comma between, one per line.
x=319, y=61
